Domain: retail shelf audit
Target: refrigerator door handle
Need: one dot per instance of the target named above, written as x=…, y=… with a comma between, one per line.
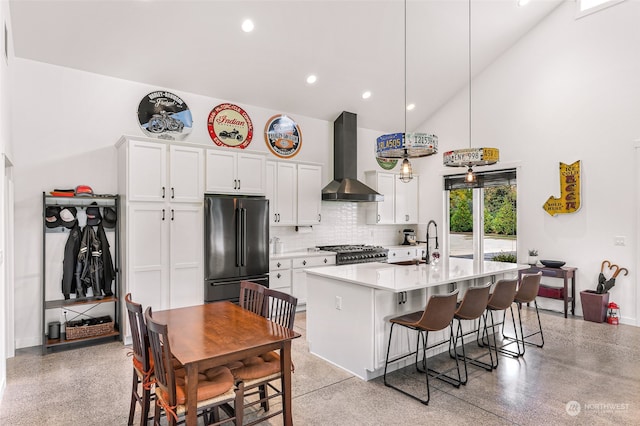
x=238, y=236
x=244, y=236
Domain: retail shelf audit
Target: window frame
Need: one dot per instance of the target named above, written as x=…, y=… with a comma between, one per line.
x=594, y=9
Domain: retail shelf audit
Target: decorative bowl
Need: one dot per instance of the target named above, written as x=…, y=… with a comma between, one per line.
x=553, y=263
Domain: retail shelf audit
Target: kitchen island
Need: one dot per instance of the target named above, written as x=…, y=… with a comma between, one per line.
x=349, y=306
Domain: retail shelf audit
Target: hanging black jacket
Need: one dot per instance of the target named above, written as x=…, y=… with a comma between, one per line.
x=108, y=272
x=71, y=249
x=90, y=262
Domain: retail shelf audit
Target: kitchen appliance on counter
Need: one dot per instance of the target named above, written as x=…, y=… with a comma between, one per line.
x=409, y=237
x=236, y=245
x=357, y=253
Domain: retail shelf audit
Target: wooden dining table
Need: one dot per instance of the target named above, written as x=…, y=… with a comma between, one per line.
x=217, y=333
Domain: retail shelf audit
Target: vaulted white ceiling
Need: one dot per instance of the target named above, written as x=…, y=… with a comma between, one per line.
x=352, y=46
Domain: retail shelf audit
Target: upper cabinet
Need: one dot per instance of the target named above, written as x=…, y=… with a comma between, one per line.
x=231, y=172
x=158, y=171
x=406, y=202
x=281, y=191
x=400, y=205
x=309, y=194
x=382, y=212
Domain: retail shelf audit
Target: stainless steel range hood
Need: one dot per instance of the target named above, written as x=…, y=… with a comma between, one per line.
x=346, y=186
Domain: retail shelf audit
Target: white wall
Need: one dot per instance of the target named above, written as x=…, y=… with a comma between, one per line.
x=567, y=91
x=66, y=123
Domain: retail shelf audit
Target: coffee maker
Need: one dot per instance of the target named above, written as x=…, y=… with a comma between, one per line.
x=409, y=237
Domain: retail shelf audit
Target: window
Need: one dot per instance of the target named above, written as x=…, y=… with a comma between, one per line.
x=587, y=7
x=482, y=219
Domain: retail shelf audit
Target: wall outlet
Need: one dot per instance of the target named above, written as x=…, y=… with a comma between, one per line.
x=619, y=241
x=339, y=303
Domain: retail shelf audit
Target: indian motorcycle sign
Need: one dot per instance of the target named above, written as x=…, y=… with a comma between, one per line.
x=282, y=136
x=230, y=126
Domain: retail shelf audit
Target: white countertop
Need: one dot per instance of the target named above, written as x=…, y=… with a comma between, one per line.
x=397, y=278
x=301, y=253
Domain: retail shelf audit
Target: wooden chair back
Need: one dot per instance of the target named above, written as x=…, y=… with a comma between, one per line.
x=161, y=352
x=252, y=296
x=140, y=340
x=279, y=307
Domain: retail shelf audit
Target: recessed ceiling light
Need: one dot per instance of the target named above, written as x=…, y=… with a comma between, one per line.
x=247, y=26
x=312, y=79
x=522, y=2
x=366, y=95
x=410, y=107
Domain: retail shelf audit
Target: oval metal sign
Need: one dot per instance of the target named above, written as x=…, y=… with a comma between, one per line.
x=230, y=126
x=283, y=136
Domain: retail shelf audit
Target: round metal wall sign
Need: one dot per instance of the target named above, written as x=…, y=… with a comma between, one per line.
x=229, y=125
x=283, y=136
x=164, y=115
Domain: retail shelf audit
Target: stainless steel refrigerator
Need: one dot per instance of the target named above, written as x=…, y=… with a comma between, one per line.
x=236, y=244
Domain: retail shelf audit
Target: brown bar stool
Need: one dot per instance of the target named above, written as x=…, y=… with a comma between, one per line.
x=502, y=297
x=437, y=315
x=527, y=292
x=473, y=305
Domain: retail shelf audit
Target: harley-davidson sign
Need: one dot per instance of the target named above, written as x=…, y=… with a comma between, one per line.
x=283, y=137
x=164, y=115
x=230, y=126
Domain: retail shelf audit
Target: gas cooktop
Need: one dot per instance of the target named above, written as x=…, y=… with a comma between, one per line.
x=357, y=253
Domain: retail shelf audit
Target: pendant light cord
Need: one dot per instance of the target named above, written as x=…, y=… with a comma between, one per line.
x=405, y=80
x=469, y=74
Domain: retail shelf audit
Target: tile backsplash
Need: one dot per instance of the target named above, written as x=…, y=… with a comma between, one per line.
x=342, y=223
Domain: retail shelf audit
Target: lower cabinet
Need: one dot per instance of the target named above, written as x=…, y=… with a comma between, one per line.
x=288, y=275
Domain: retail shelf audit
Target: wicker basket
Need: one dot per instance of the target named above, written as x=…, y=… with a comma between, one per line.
x=85, y=331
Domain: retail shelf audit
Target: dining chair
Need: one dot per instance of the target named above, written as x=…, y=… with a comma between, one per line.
x=471, y=308
x=215, y=385
x=526, y=293
x=260, y=371
x=437, y=315
x=252, y=296
x=500, y=300
x=142, y=362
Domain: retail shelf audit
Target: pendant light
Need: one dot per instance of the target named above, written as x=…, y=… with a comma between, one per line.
x=404, y=145
x=470, y=157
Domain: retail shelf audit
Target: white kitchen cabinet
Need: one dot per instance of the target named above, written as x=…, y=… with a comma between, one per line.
x=381, y=213
x=406, y=200
x=159, y=171
x=400, y=254
x=229, y=172
x=388, y=305
x=163, y=237
x=309, y=194
x=281, y=191
x=288, y=275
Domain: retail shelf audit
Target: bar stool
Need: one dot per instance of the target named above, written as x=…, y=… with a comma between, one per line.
x=473, y=305
x=527, y=292
x=437, y=315
x=502, y=297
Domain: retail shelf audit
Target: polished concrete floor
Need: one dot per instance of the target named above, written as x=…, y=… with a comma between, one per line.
x=586, y=374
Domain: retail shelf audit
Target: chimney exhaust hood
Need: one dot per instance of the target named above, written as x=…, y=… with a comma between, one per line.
x=345, y=186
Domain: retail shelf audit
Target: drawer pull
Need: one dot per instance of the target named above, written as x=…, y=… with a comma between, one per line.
x=325, y=260
x=278, y=276
x=304, y=262
x=279, y=264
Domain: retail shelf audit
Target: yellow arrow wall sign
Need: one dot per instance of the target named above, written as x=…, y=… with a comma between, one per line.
x=569, y=201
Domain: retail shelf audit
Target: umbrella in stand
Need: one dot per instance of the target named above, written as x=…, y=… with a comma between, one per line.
x=611, y=282
x=601, y=277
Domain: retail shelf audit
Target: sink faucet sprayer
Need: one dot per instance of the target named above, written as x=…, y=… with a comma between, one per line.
x=429, y=257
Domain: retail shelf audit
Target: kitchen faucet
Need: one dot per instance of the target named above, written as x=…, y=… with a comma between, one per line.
x=427, y=255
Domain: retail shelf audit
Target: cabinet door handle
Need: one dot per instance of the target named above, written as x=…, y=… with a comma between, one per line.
x=378, y=218
x=278, y=264
x=162, y=214
x=163, y=192
x=304, y=262
x=173, y=193
x=239, y=183
x=319, y=217
x=172, y=214
x=278, y=276
x=408, y=253
x=393, y=254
